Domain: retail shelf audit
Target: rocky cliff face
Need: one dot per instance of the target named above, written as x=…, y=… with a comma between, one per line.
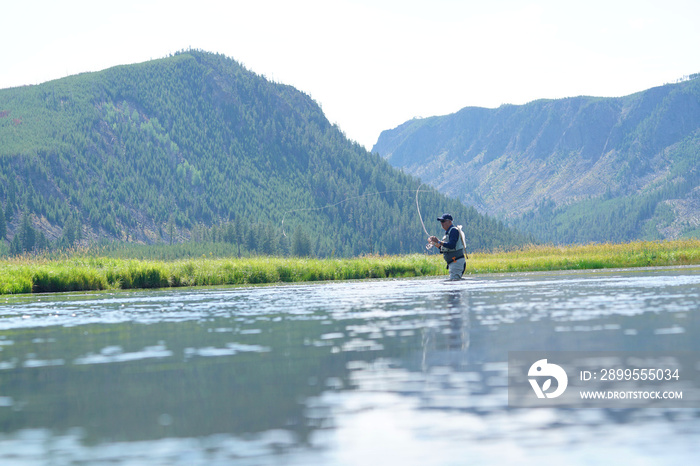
x=593, y=153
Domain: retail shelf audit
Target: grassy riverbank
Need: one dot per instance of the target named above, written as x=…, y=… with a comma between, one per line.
x=591, y=256
x=100, y=273
x=87, y=272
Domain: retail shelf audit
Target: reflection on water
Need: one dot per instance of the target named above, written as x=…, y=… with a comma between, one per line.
x=397, y=371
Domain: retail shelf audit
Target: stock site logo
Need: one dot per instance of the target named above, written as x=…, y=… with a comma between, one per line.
x=541, y=369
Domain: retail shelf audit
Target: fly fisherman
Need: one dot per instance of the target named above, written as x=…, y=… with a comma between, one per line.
x=451, y=247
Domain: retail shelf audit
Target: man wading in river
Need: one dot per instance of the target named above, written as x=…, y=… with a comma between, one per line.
x=451, y=247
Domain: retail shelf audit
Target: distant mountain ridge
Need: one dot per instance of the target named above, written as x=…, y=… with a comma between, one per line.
x=568, y=170
x=195, y=146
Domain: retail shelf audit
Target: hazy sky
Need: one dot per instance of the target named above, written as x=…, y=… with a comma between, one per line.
x=373, y=64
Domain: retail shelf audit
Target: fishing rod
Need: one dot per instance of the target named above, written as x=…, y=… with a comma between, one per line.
x=459, y=227
x=429, y=245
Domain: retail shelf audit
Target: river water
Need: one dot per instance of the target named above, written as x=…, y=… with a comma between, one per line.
x=410, y=371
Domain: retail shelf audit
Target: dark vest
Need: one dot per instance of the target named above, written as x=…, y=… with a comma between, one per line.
x=451, y=255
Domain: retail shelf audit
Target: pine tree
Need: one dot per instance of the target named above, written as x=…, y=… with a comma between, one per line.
x=301, y=243
x=171, y=228
x=27, y=234
x=3, y=227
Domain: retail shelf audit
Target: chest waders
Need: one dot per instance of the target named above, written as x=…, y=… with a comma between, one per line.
x=453, y=255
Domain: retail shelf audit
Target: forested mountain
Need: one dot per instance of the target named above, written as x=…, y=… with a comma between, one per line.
x=193, y=147
x=570, y=170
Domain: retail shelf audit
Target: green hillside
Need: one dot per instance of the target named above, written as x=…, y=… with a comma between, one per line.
x=569, y=170
x=195, y=147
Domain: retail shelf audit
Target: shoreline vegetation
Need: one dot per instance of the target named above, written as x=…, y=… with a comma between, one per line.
x=90, y=272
